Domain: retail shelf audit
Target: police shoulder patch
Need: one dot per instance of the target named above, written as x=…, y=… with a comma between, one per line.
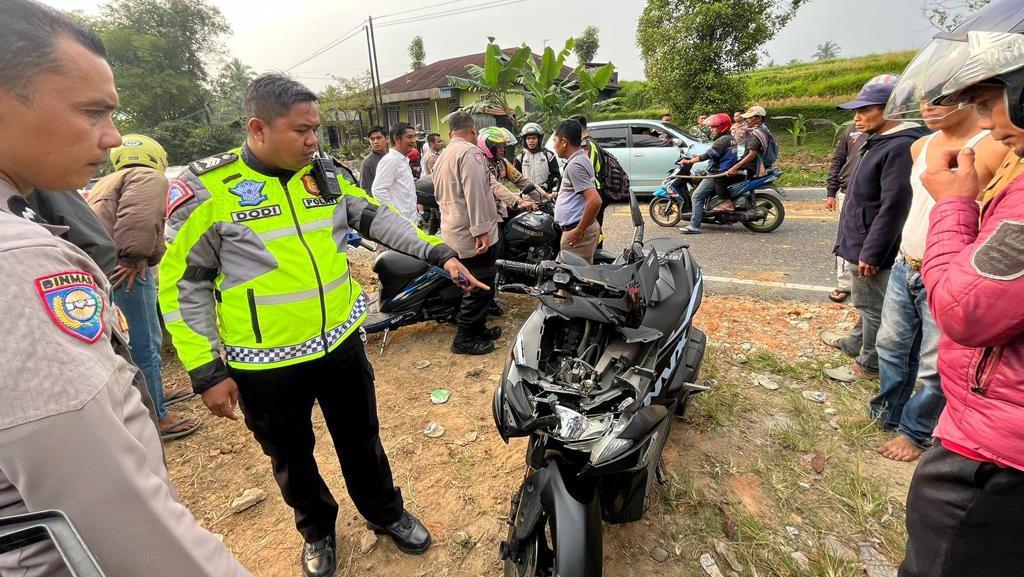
x=178, y=193
x=1001, y=256
x=207, y=164
x=73, y=303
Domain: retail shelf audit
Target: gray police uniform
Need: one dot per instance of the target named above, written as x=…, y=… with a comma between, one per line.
x=74, y=434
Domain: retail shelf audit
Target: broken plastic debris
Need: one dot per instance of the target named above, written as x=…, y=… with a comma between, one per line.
x=725, y=551
x=707, y=562
x=440, y=396
x=422, y=364
x=832, y=411
x=816, y=396
x=766, y=382
x=793, y=532
x=433, y=430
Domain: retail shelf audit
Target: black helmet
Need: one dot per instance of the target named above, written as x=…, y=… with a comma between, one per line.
x=987, y=47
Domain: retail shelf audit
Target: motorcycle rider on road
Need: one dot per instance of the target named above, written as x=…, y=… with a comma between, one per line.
x=723, y=156
x=537, y=163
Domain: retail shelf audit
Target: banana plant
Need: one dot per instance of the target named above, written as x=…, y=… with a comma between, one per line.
x=551, y=98
x=496, y=80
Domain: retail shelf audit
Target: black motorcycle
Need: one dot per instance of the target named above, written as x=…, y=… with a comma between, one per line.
x=594, y=378
x=411, y=291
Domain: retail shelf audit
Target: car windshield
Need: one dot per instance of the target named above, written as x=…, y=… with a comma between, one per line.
x=686, y=133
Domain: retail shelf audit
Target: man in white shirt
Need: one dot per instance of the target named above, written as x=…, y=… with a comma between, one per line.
x=394, y=183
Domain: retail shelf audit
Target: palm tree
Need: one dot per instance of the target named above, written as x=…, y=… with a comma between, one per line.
x=827, y=51
x=230, y=87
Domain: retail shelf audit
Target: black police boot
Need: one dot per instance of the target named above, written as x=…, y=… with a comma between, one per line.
x=491, y=333
x=409, y=535
x=495, y=310
x=465, y=344
x=318, y=559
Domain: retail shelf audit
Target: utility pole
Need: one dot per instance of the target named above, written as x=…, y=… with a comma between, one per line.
x=376, y=70
x=373, y=78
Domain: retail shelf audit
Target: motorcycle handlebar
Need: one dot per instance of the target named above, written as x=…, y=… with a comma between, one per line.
x=522, y=268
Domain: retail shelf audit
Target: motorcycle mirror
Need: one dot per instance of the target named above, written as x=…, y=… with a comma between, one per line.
x=634, y=209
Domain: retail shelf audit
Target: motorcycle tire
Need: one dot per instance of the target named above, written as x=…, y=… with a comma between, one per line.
x=537, y=559
x=665, y=211
x=776, y=213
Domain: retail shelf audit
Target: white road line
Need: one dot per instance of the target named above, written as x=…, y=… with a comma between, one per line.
x=764, y=283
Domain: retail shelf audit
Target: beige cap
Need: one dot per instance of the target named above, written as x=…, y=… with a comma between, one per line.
x=754, y=111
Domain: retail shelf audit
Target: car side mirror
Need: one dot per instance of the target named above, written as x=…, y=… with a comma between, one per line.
x=677, y=142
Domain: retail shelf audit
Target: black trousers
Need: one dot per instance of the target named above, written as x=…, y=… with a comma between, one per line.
x=278, y=404
x=964, y=518
x=472, y=316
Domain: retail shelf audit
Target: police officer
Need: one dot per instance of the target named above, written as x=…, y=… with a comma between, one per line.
x=256, y=262
x=74, y=434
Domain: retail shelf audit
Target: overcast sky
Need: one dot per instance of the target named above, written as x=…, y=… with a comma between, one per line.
x=267, y=37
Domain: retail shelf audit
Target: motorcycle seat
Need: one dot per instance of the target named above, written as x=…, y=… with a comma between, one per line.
x=395, y=270
x=568, y=258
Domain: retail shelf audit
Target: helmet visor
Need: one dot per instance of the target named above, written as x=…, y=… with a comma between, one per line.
x=990, y=54
x=924, y=81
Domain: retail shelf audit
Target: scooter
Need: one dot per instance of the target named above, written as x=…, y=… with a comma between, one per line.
x=593, y=380
x=758, y=202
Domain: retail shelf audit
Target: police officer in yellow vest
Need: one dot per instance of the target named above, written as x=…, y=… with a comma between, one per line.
x=256, y=265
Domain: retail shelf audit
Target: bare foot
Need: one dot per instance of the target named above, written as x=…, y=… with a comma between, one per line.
x=899, y=448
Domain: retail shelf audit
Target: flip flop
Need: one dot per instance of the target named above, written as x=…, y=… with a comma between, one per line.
x=838, y=296
x=178, y=396
x=168, y=433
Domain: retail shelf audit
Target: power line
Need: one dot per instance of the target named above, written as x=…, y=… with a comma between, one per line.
x=467, y=10
x=400, y=12
x=351, y=33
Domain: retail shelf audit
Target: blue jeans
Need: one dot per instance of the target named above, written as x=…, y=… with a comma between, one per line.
x=705, y=189
x=908, y=351
x=140, y=310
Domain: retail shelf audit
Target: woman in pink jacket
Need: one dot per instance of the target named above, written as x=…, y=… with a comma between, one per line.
x=965, y=510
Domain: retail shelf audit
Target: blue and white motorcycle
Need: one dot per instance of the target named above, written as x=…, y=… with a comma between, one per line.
x=758, y=202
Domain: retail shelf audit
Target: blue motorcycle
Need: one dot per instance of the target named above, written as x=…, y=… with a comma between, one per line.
x=758, y=202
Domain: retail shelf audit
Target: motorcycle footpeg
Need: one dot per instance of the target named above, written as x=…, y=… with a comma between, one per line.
x=695, y=388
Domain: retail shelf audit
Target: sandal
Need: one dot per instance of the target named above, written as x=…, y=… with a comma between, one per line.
x=182, y=427
x=838, y=295
x=177, y=397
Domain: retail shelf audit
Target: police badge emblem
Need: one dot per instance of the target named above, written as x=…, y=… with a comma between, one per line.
x=249, y=192
x=72, y=301
x=309, y=183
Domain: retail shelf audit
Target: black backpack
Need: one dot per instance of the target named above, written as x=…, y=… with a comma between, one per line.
x=613, y=179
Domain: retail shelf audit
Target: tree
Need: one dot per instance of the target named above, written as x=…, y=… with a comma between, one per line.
x=948, y=14
x=692, y=49
x=587, y=44
x=826, y=51
x=229, y=90
x=417, y=53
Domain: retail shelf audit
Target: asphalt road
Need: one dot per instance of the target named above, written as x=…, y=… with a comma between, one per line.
x=793, y=262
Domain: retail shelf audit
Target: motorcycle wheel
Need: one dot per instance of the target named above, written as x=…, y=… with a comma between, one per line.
x=665, y=211
x=774, y=210
x=538, y=558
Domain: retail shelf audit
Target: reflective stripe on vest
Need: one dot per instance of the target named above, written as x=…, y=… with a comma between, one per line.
x=269, y=355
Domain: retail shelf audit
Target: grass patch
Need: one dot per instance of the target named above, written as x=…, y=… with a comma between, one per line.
x=765, y=361
x=720, y=406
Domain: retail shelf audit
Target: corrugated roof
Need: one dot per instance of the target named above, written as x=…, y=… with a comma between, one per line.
x=435, y=75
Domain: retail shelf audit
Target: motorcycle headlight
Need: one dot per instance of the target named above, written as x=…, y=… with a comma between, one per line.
x=610, y=446
x=573, y=426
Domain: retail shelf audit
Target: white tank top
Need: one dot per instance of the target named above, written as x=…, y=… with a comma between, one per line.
x=915, y=230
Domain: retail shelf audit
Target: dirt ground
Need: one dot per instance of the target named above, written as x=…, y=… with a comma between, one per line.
x=786, y=487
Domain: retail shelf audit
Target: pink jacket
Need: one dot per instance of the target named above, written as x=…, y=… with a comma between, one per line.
x=975, y=282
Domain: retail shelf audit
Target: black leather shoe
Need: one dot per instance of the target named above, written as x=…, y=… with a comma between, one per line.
x=491, y=333
x=495, y=310
x=409, y=535
x=472, y=346
x=318, y=559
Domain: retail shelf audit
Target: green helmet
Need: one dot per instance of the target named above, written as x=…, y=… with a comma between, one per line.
x=140, y=150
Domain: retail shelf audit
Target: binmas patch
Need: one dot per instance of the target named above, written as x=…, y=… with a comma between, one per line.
x=1001, y=256
x=73, y=303
x=178, y=193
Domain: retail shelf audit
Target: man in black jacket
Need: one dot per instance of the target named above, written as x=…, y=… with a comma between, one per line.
x=877, y=203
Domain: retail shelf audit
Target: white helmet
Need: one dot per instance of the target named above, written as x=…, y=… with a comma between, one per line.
x=531, y=128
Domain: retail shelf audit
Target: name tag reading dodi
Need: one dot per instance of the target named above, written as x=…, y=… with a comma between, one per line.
x=256, y=213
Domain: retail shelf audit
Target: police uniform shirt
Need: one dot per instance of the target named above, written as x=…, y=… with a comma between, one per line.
x=74, y=434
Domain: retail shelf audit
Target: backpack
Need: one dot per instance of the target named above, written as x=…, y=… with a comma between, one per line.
x=613, y=179
x=770, y=148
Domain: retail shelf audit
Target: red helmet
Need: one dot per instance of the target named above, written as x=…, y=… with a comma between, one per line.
x=721, y=121
x=414, y=154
